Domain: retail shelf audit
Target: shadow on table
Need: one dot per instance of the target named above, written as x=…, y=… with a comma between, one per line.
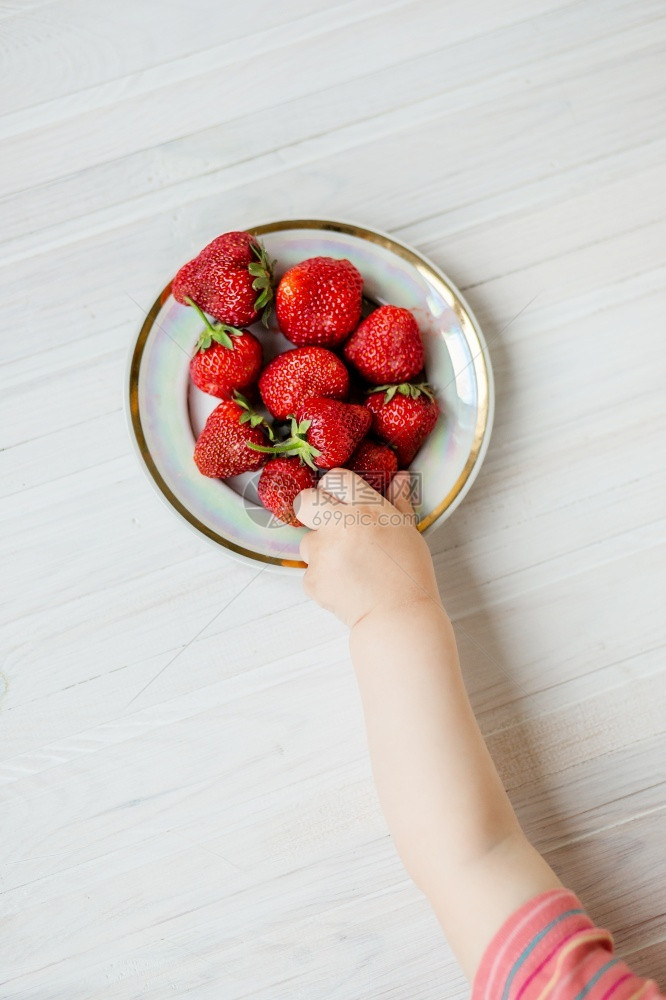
x=501, y=700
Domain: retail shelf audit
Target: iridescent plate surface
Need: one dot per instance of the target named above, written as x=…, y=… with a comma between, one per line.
x=166, y=412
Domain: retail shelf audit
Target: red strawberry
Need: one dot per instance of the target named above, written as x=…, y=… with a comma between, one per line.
x=324, y=432
x=280, y=483
x=376, y=463
x=227, y=359
x=319, y=301
x=333, y=429
x=387, y=346
x=403, y=415
x=223, y=448
x=291, y=378
x=230, y=280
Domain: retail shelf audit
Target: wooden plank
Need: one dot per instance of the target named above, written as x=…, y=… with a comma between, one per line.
x=497, y=107
x=104, y=53
x=471, y=74
x=143, y=69
x=619, y=875
x=649, y=962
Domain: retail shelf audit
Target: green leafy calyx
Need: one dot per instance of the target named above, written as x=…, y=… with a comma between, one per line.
x=296, y=445
x=221, y=333
x=411, y=389
x=254, y=419
x=261, y=270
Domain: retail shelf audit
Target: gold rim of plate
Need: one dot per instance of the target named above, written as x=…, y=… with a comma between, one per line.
x=470, y=329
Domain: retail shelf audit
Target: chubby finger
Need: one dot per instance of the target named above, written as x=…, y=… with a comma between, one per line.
x=306, y=546
x=347, y=487
x=398, y=493
x=314, y=507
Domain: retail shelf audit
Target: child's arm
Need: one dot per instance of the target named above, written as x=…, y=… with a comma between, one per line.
x=448, y=813
x=451, y=820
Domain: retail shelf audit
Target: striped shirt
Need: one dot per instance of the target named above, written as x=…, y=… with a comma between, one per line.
x=550, y=950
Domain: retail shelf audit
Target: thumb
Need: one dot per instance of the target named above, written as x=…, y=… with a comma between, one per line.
x=398, y=493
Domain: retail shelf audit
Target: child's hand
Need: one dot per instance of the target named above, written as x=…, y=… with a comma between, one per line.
x=365, y=554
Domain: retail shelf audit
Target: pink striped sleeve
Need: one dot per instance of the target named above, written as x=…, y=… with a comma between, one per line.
x=550, y=950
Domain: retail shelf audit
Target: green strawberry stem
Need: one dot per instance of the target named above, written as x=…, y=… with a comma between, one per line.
x=221, y=333
x=295, y=445
x=254, y=419
x=412, y=389
x=274, y=449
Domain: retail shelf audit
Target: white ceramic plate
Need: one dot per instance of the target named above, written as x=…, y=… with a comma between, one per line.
x=166, y=412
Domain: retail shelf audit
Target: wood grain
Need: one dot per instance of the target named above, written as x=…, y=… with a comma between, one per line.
x=206, y=826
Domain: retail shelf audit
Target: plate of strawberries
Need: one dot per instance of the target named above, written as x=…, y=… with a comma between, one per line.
x=295, y=348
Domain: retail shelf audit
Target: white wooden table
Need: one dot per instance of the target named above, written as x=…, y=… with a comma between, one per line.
x=218, y=835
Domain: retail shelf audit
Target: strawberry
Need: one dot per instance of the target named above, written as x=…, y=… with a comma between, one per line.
x=387, y=346
x=224, y=447
x=230, y=279
x=374, y=462
x=227, y=359
x=292, y=377
x=281, y=480
x=403, y=416
x=319, y=301
x=324, y=432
